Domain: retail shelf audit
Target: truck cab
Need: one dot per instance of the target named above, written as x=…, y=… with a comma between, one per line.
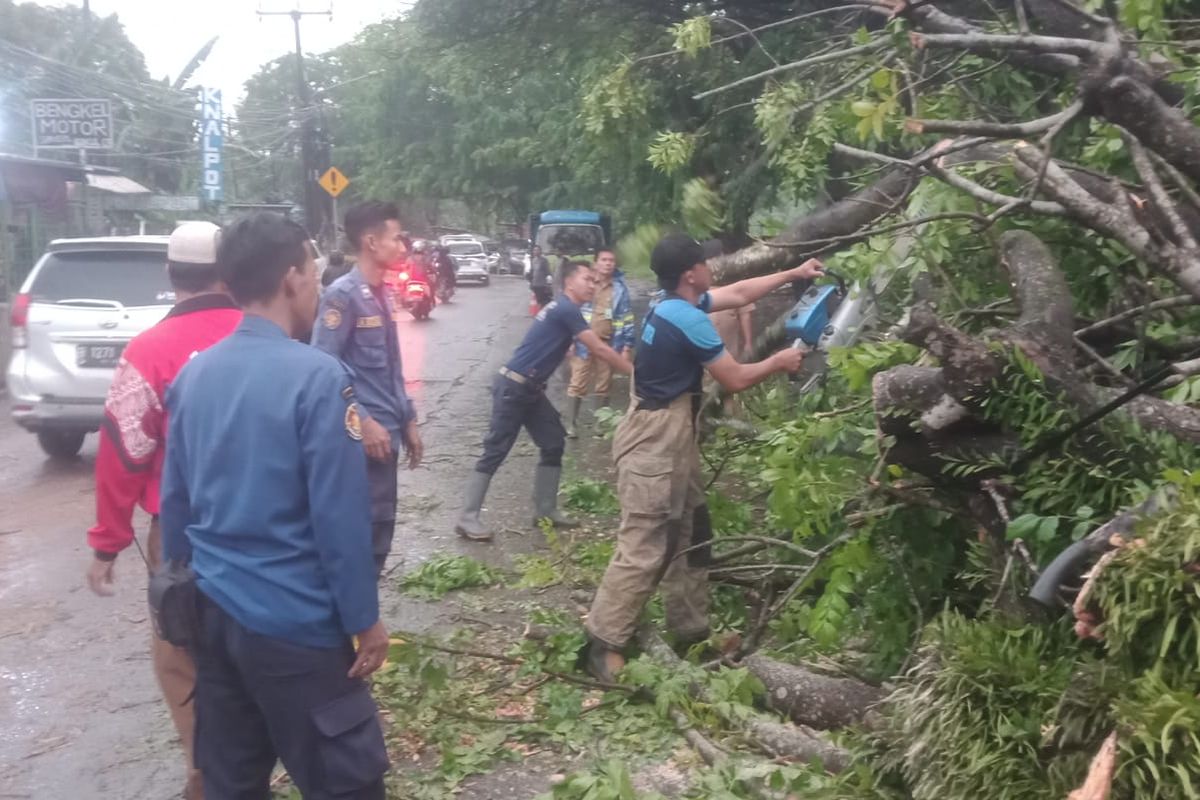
x=570, y=233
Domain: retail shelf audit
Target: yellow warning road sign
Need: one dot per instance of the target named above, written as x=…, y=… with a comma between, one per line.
x=333, y=181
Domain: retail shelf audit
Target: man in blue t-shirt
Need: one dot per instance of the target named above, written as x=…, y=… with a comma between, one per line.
x=657, y=453
x=519, y=400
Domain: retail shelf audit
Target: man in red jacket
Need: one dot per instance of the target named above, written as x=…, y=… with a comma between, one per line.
x=129, y=461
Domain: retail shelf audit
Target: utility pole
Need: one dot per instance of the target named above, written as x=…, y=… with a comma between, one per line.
x=314, y=152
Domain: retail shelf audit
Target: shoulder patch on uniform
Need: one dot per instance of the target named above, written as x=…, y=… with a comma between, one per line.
x=334, y=297
x=353, y=422
x=332, y=318
x=374, y=321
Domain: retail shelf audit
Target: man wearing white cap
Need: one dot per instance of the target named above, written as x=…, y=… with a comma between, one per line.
x=130, y=457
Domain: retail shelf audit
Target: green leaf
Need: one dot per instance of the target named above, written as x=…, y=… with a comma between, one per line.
x=863, y=108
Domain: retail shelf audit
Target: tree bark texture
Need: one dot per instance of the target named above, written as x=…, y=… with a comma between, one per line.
x=779, y=739
x=810, y=698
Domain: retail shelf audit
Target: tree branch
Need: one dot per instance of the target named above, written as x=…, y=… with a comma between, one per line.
x=837, y=55
x=1162, y=128
x=1170, y=302
x=1158, y=194
x=778, y=23
x=993, y=197
x=984, y=43
x=996, y=130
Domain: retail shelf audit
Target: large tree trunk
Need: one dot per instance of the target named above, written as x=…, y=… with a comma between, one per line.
x=811, y=698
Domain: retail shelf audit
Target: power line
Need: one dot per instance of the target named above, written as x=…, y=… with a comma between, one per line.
x=315, y=154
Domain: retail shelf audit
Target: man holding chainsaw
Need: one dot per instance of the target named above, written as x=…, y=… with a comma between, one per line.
x=657, y=455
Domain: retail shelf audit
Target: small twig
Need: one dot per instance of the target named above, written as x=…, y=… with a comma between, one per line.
x=1022, y=18
x=1145, y=169
x=736, y=552
x=910, y=495
x=1102, y=362
x=858, y=517
x=1023, y=550
x=1067, y=115
x=490, y=720
x=1177, y=177
x=837, y=412
x=995, y=198
x=862, y=234
x=986, y=42
x=748, y=31
x=767, y=541
x=990, y=487
x=796, y=586
x=825, y=58
x=768, y=26
x=766, y=569
x=1003, y=584
x=726, y=457
x=1169, y=302
x=461, y=651
x=995, y=130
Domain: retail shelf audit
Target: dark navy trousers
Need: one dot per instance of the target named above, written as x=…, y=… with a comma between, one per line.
x=381, y=478
x=259, y=699
x=521, y=405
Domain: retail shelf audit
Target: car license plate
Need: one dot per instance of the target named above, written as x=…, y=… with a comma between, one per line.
x=98, y=355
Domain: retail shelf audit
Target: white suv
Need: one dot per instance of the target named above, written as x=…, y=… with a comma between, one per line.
x=79, y=307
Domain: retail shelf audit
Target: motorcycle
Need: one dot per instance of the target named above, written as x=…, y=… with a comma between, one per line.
x=415, y=296
x=445, y=290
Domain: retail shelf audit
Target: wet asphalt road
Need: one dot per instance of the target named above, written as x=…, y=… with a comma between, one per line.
x=80, y=712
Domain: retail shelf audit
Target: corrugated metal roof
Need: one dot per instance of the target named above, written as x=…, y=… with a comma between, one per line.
x=117, y=184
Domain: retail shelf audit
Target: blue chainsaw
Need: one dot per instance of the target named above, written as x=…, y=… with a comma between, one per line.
x=810, y=322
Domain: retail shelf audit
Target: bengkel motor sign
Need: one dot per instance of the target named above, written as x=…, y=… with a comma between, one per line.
x=68, y=123
x=211, y=140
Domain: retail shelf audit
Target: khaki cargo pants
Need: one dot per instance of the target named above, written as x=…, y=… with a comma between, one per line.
x=176, y=673
x=663, y=514
x=588, y=371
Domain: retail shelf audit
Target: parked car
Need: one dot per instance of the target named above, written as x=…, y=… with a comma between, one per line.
x=515, y=253
x=470, y=259
x=79, y=307
x=494, y=259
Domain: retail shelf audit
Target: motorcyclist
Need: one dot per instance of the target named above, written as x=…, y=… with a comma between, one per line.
x=418, y=263
x=443, y=265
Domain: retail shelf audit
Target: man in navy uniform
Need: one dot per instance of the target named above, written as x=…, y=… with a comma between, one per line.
x=264, y=490
x=519, y=400
x=355, y=325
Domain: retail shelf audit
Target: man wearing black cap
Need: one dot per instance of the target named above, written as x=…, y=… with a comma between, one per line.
x=657, y=453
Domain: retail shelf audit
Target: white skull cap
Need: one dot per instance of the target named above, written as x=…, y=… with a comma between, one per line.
x=194, y=243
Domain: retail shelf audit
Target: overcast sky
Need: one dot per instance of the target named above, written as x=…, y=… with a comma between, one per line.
x=169, y=32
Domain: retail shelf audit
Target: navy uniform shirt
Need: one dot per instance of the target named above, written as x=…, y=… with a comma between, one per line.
x=546, y=342
x=678, y=341
x=265, y=485
x=354, y=324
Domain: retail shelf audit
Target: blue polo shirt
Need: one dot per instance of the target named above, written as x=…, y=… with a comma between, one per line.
x=678, y=341
x=546, y=342
x=265, y=487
